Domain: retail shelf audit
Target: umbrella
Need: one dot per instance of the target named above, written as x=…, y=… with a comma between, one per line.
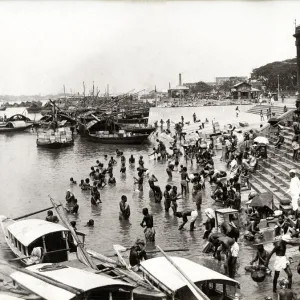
x=261, y=140
x=273, y=120
x=263, y=199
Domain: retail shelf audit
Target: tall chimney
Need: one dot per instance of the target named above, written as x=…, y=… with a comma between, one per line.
x=169, y=85
x=180, y=83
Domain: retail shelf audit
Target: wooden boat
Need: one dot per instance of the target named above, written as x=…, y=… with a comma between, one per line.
x=24, y=235
x=99, y=263
x=14, y=126
x=55, y=133
x=167, y=278
x=34, y=109
x=137, y=128
x=126, y=139
x=58, y=281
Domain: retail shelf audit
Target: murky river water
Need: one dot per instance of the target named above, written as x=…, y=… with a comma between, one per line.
x=29, y=174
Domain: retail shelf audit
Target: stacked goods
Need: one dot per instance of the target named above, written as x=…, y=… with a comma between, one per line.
x=62, y=135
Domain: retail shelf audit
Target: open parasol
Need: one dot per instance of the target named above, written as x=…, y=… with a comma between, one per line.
x=261, y=140
x=261, y=200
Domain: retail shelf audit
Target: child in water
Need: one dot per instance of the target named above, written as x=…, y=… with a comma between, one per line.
x=285, y=293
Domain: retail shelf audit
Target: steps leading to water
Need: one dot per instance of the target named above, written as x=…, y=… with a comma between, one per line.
x=272, y=174
x=278, y=110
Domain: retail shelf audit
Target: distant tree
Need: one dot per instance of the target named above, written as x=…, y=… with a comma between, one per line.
x=268, y=75
x=201, y=87
x=227, y=85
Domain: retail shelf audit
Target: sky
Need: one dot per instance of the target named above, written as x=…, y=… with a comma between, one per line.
x=137, y=45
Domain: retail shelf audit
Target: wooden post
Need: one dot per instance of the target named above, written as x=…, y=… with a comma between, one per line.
x=34, y=213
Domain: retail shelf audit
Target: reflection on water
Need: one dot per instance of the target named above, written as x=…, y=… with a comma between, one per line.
x=28, y=175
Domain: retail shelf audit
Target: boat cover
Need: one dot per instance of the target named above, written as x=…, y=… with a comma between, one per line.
x=72, y=277
x=161, y=269
x=27, y=231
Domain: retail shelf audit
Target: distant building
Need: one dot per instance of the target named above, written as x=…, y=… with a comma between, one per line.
x=244, y=90
x=221, y=80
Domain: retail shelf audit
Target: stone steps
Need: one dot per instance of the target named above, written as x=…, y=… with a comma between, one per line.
x=278, y=110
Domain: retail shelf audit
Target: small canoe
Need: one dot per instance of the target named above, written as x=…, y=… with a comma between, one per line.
x=136, y=139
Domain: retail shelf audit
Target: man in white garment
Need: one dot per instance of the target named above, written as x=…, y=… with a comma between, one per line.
x=294, y=190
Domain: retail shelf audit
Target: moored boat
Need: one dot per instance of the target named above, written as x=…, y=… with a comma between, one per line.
x=137, y=128
x=34, y=109
x=58, y=281
x=14, y=126
x=2, y=108
x=25, y=235
x=125, y=138
x=55, y=138
x=167, y=278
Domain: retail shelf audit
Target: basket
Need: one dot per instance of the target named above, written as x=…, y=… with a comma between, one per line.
x=258, y=276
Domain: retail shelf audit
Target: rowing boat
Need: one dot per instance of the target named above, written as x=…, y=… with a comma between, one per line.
x=58, y=281
x=168, y=279
x=133, y=139
x=25, y=235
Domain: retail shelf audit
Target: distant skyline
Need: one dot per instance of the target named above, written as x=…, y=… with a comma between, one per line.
x=137, y=45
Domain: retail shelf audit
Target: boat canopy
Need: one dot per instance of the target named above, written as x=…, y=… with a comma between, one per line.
x=27, y=231
x=78, y=279
x=163, y=271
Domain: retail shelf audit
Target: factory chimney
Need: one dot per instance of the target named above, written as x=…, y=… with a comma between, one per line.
x=180, y=83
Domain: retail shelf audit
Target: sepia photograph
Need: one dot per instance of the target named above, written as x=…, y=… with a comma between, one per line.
x=149, y=150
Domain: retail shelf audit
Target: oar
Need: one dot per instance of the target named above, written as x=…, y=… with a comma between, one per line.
x=33, y=213
x=194, y=289
x=50, y=252
x=124, y=249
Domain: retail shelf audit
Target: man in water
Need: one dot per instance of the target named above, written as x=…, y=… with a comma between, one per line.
x=157, y=194
x=187, y=213
x=72, y=181
x=281, y=261
x=184, y=181
x=137, y=253
x=124, y=208
x=147, y=223
x=123, y=169
x=69, y=196
x=167, y=196
x=51, y=218
x=74, y=209
x=151, y=181
x=131, y=159
x=111, y=179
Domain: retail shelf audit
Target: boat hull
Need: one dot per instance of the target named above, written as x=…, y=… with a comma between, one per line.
x=55, y=145
x=130, y=140
x=143, y=130
x=11, y=130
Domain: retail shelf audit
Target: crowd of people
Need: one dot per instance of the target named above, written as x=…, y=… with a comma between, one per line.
x=239, y=160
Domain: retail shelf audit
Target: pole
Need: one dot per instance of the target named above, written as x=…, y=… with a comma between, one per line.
x=195, y=290
x=33, y=213
x=65, y=92
x=83, y=88
x=278, y=89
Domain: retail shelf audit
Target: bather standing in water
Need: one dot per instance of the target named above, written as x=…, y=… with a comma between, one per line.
x=124, y=208
x=147, y=223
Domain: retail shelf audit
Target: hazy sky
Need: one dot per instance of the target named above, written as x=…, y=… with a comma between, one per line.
x=127, y=45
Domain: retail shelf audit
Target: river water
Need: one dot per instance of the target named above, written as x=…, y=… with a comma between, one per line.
x=29, y=174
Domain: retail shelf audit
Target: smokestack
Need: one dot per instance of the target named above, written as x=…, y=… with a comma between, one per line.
x=180, y=83
x=169, y=85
